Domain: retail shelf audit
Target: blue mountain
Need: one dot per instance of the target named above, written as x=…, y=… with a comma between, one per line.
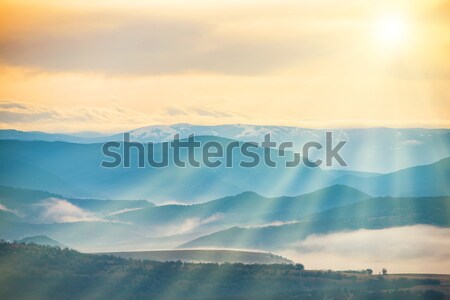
x=374, y=213
x=75, y=170
x=368, y=149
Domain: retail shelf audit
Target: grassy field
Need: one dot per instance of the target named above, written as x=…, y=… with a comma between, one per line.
x=443, y=287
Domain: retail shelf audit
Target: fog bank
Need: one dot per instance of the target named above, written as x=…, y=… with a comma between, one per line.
x=412, y=249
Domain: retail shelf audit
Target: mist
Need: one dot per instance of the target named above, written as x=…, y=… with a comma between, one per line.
x=411, y=249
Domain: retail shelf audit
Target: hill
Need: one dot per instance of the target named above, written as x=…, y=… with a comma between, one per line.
x=41, y=240
x=83, y=235
x=32, y=203
x=411, y=182
x=245, y=208
x=53, y=273
x=205, y=256
x=373, y=213
x=114, y=224
x=11, y=134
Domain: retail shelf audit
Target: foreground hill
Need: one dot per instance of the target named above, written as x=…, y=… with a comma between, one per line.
x=52, y=273
x=374, y=213
x=41, y=240
x=205, y=256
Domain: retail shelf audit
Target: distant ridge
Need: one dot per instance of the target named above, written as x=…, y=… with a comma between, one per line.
x=374, y=213
x=246, y=208
x=392, y=148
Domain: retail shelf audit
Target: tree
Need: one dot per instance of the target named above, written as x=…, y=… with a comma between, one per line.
x=384, y=271
x=369, y=271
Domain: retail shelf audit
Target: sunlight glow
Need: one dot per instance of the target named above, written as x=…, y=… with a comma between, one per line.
x=392, y=31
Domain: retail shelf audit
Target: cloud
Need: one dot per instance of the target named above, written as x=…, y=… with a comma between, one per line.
x=12, y=105
x=16, y=113
x=4, y=208
x=55, y=210
x=150, y=45
x=411, y=143
x=38, y=117
x=187, y=225
x=171, y=202
x=26, y=116
x=413, y=249
x=173, y=111
x=200, y=111
x=273, y=224
x=212, y=113
x=124, y=211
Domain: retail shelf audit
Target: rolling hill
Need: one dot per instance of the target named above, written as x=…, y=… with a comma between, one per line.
x=204, y=256
x=375, y=213
x=245, y=208
x=53, y=273
x=89, y=224
x=41, y=240
x=411, y=182
x=29, y=203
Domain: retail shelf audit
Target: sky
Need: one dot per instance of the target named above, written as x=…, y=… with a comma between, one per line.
x=115, y=65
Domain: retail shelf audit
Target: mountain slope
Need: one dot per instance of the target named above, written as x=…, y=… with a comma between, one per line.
x=378, y=149
x=245, y=208
x=74, y=170
x=374, y=213
x=420, y=181
x=79, y=165
x=86, y=223
x=87, y=137
x=82, y=235
x=28, y=203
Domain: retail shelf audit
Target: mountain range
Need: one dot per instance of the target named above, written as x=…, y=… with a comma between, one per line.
x=368, y=149
x=75, y=171
x=90, y=223
x=246, y=220
x=375, y=213
x=53, y=185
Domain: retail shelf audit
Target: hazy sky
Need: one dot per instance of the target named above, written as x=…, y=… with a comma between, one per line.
x=114, y=65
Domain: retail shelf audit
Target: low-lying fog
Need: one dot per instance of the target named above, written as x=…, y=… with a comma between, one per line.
x=412, y=249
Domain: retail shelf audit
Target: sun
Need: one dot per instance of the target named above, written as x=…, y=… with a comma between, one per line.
x=391, y=31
